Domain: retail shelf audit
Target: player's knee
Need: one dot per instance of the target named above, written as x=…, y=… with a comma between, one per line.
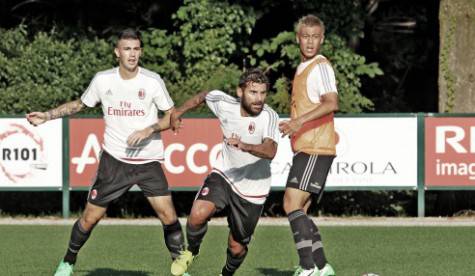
x=88, y=222
x=167, y=216
x=289, y=206
x=292, y=203
x=198, y=216
x=237, y=249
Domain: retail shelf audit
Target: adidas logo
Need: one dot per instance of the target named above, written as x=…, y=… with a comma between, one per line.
x=294, y=180
x=109, y=93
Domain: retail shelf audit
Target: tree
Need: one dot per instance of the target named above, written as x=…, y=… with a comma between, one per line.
x=456, y=66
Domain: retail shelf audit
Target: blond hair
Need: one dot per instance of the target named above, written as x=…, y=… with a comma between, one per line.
x=310, y=20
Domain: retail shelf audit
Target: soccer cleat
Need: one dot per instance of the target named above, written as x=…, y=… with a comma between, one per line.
x=64, y=269
x=299, y=271
x=327, y=270
x=181, y=263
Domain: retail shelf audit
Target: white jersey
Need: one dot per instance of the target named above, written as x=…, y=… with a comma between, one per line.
x=129, y=105
x=320, y=81
x=248, y=175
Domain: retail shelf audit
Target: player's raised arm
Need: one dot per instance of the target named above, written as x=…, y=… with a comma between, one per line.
x=175, y=117
x=69, y=108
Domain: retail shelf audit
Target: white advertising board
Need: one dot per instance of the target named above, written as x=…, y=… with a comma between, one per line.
x=30, y=156
x=371, y=152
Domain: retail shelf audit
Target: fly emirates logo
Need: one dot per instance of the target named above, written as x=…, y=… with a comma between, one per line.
x=455, y=151
x=125, y=110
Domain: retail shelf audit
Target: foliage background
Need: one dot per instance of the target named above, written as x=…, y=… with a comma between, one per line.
x=207, y=48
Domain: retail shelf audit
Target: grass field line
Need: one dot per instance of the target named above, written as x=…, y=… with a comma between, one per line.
x=322, y=221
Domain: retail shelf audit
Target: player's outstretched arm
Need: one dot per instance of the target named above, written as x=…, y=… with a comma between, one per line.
x=138, y=136
x=69, y=108
x=175, y=119
x=266, y=150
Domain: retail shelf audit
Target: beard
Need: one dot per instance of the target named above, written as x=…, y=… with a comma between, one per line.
x=248, y=108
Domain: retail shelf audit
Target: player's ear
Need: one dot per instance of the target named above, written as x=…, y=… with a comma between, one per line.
x=116, y=51
x=239, y=92
x=322, y=39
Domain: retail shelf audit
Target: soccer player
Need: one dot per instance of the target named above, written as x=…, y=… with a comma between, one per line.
x=130, y=97
x=311, y=128
x=241, y=178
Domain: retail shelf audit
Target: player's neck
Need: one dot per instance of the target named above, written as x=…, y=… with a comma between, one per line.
x=304, y=58
x=126, y=74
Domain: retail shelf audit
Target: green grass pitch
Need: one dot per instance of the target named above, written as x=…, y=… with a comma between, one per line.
x=140, y=251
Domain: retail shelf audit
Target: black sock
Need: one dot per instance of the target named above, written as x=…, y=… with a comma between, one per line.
x=174, y=238
x=232, y=263
x=317, y=246
x=78, y=238
x=302, y=237
x=195, y=237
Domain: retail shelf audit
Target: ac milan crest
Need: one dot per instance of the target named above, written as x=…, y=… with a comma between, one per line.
x=141, y=94
x=252, y=127
x=204, y=191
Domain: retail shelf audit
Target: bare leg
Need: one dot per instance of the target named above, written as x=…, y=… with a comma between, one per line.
x=173, y=234
x=82, y=230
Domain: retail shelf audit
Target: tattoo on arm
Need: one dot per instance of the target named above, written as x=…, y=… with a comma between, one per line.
x=65, y=109
x=193, y=102
x=156, y=127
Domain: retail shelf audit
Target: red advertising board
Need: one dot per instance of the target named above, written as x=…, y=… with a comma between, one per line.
x=85, y=140
x=450, y=151
x=189, y=155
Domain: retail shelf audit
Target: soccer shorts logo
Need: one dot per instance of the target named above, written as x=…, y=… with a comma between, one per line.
x=93, y=194
x=204, y=191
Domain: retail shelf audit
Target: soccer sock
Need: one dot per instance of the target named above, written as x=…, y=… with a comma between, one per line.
x=302, y=237
x=195, y=235
x=173, y=238
x=78, y=238
x=317, y=245
x=232, y=263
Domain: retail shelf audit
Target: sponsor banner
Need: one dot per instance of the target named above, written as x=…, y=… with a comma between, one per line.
x=375, y=152
x=30, y=156
x=85, y=145
x=449, y=151
x=189, y=155
x=381, y=152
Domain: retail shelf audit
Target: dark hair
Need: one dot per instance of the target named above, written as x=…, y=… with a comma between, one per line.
x=129, y=34
x=253, y=75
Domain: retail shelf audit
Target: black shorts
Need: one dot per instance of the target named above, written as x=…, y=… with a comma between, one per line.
x=242, y=214
x=115, y=177
x=309, y=172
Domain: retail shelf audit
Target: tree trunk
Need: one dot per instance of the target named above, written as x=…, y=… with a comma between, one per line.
x=457, y=56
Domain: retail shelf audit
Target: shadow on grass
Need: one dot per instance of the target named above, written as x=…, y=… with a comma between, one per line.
x=274, y=272
x=108, y=271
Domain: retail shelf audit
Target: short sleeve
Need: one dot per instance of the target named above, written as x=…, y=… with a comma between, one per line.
x=162, y=99
x=326, y=81
x=215, y=100
x=321, y=81
x=91, y=97
x=272, y=125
